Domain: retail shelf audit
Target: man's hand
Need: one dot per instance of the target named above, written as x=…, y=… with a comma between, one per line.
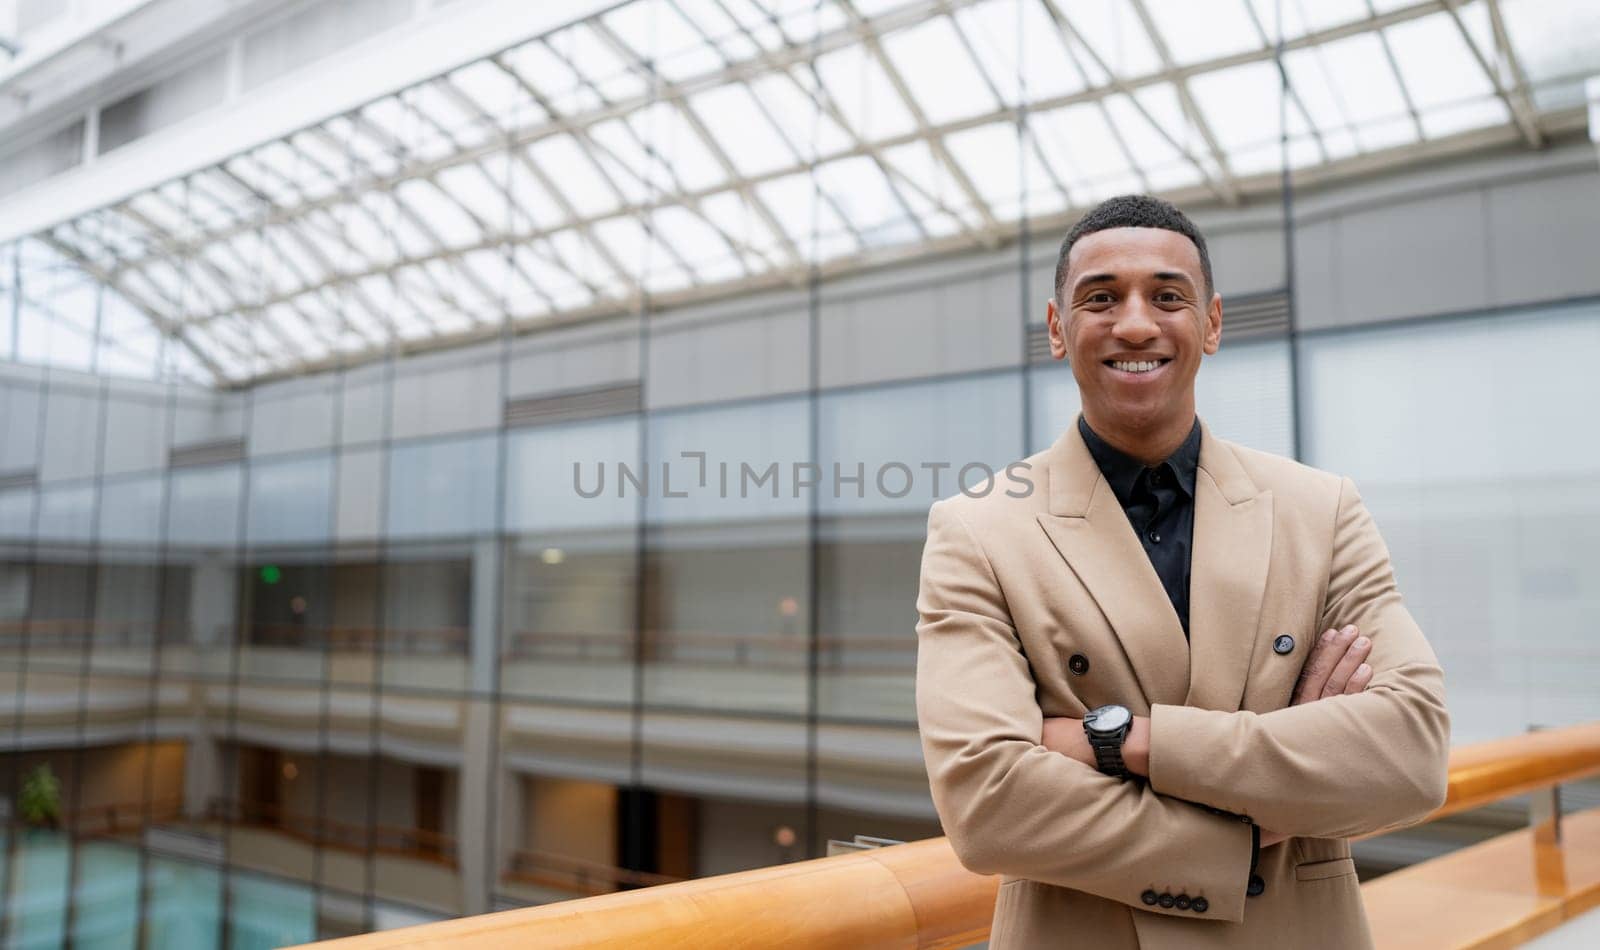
x=1337, y=667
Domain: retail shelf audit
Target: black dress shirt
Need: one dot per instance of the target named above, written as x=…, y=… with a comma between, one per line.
x=1159, y=503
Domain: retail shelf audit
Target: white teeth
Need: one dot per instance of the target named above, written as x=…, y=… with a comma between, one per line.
x=1143, y=366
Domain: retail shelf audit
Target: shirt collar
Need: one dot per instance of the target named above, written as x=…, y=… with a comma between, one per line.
x=1123, y=470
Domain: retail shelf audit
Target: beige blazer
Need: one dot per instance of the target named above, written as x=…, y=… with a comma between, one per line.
x=1014, y=588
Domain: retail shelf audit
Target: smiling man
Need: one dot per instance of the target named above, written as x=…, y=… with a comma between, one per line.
x=1159, y=693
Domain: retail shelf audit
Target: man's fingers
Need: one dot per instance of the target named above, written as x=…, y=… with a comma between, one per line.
x=1358, y=680
x=1314, y=675
x=1319, y=665
x=1354, y=656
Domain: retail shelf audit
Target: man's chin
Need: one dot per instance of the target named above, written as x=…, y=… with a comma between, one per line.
x=1135, y=417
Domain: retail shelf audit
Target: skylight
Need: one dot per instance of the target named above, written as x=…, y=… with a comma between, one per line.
x=665, y=149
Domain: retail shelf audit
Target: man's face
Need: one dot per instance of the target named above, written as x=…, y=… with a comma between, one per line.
x=1137, y=319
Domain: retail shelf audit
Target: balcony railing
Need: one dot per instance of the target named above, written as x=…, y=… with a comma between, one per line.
x=777, y=651
x=559, y=872
x=894, y=655
x=361, y=639
x=918, y=894
x=119, y=818
x=541, y=869
x=78, y=633
x=340, y=835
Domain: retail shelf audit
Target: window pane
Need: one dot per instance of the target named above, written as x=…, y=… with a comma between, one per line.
x=130, y=511
x=264, y=913
x=912, y=445
x=66, y=513
x=1444, y=450
x=204, y=509
x=38, y=898
x=442, y=488
x=289, y=501
x=185, y=904
x=106, y=896
x=1242, y=393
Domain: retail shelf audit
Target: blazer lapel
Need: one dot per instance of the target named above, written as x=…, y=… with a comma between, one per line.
x=1086, y=524
x=1227, y=576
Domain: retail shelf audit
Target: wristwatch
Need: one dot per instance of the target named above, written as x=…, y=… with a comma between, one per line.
x=1106, y=728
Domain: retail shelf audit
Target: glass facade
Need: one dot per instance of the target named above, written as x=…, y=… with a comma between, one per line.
x=334, y=647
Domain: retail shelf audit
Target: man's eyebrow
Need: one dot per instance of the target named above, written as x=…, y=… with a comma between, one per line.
x=1174, y=275
x=1087, y=279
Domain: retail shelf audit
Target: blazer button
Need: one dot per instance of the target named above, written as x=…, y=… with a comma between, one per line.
x=1166, y=900
x=1200, y=905
x=1181, y=902
x=1283, y=645
x=1256, y=886
x=1078, y=664
x=1149, y=897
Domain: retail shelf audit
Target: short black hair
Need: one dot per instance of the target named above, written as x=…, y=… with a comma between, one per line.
x=1133, y=211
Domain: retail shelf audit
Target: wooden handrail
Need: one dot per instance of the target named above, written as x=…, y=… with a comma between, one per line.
x=910, y=895
x=1494, y=894
x=1487, y=772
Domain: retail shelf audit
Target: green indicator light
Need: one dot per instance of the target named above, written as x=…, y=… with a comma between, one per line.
x=270, y=574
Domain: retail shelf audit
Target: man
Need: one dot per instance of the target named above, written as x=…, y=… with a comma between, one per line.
x=1109, y=667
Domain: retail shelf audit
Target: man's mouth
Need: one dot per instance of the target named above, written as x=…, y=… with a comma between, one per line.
x=1137, y=366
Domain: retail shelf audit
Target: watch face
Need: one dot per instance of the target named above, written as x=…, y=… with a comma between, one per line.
x=1111, y=718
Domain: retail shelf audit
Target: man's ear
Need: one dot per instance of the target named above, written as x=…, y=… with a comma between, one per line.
x=1213, y=327
x=1057, y=322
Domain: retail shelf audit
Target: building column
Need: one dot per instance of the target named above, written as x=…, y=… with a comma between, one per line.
x=473, y=841
x=482, y=645
x=213, y=600
x=202, y=759
x=476, y=842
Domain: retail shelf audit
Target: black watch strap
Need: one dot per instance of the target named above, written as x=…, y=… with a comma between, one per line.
x=1108, y=754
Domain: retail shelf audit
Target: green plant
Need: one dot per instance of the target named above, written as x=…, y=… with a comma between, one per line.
x=40, y=800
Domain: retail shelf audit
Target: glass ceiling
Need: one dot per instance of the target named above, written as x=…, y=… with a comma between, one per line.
x=670, y=149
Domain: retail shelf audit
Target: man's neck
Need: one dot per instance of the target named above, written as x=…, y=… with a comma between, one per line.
x=1150, y=446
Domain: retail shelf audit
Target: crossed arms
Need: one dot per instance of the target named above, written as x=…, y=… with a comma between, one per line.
x=1344, y=765
x=1336, y=667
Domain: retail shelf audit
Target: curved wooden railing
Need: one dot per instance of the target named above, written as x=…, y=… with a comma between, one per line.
x=910, y=895
x=1488, y=772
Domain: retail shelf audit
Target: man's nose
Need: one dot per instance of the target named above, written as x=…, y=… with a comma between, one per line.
x=1135, y=324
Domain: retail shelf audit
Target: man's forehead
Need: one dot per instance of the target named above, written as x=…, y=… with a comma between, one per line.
x=1139, y=248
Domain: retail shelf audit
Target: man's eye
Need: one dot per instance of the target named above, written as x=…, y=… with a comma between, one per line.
x=1099, y=298
x=1168, y=296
